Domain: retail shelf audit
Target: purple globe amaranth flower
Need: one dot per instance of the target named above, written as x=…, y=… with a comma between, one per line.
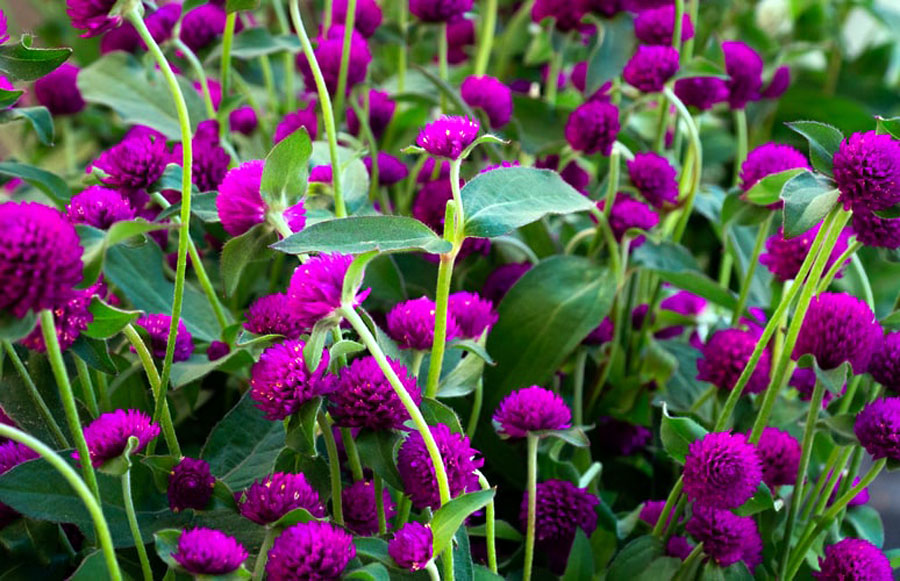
x=867, y=172
x=312, y=550
x=40, y=258
x=92, y=16
x=381, y=111
x=779, y=83
x=628, y=213
x=603, y=333
x=502, y=279
x=315, y=289
x=134, y=164
x=724, y=357
x=291, y=122
x=99, y=207
x=217, y=350
x=852, y=560
x=531, y=409
x=11, y=455
x=58, y=92
x=210, y=159
x=701, y=92
x=161, y=22
x=566, y=15
x=473, y=314
x=621, y=438
x=650, y=67
x=722, y=470
x=572, y=174
x=780, y=455
x=838, y=327
x=239, y=203
x=726, y=537
x=411, y=324
x=280, y=382
x=439, y=10
x=562, y=509
x=412, y=546
x=70, y=319
x=271, y=314
x=448, y=136
x=321, y=174
x=804, y=381
x=203, y=551
x=124, y=38
x=360, y=508
x=655, y=179
x=328, y=54
x=861, y=498
x=744, y=67
x=390, y=169
x=784, y=256
x=157, y=327
x=679, y=547
x=417, y=471
x=367, y=17
x=270, y=498
x=873, y=230
x=768, y=159
x=651, y=510
x=190, y=485
x=657, y=25
x=884, y=366
x=361, y=396
x=201, y=26
x=243, y=120
x=107, y=436
x=489, y=94
x=877, y=428
x=4, y=32
x=460, y=34
x=593, y=127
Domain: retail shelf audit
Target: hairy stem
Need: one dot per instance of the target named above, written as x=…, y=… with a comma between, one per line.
x=334, y=465
x=751, y=269
x=134, y=527
x=531, y=491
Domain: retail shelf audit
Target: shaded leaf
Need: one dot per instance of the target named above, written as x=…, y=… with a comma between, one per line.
x=450, y=517
x=22, y=62
x=823, y=141
x=807, y=200
x=677, y=434
x=38, y=117
x=356, y=235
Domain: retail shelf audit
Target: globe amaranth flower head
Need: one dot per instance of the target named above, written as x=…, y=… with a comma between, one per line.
x=210, y=158
x=724, y=357
x=417, y=471
x=412, y=546
x=361, y=396
x=439, y=10
x=312, y=550
x=804, y=381
x=780, y=455
x=854, y=559
x=133, y=164
x=315, y=289
x=161, y=22
x=201, y=26
x=460, y=34
x=651, y=510
x=381, y=111
x=654, y=177
x=650, y=67
x=768, y=159
x=628, y=213
x=726, y=537
x=190, y=485
x=744, y=67
x=107, y=436
x=411, y=324
x=566, y=15
x=58, y=92
x=562, y=509
x=360, y=508
x=701, y=92
x=243, y=120
x=203, y=551
x=884, y=366
x=390, y=169
x=867, y=171
x=838, y=327
x=489, y=94
x=473, y=314
x=531, y=409
x=40, y=258
x=593, y=127
x=11, y=455
x=239, y=203
x=99, y=207
x=619, y=437
x=784, y=256
x=502, y=279
x=4, y=32
x=92, y=16
x=321, y=174
x=70, y=319
x=367, y=17
x=657, y=25
x=291, y=122
x=271, y=314
x=877, y=428
x=722, y=470
x=280, y=382
x=157, y=327
x=448, y=136
x=328, y=55
x=873, y=230
x=270, y=498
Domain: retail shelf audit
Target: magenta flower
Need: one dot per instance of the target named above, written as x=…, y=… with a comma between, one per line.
x=602, y=333
x=460, y=34
x=768, y=159
x=270, y=498
x=92, y=16
x=854, y=559
x=780, y=455
x=651, y=510
x=654, y=177
x=243, y=120
x=721, y=470
x=161, y=22
x=361, y=396
x=473, y=314
x=107, y=436
x=70, y=319
x=381, y=111
x=448, y=136
x=436, y=11
x=157, y=327
x=328, y=54
x=593, y=127
x=502, y=279
x=531, y=409
x=280, y=382
x=726, y=537
x=390, y=169
x=134, y=164
x=367, y=17
x=210, y=159
x=411, y=324
x=650, y=67
x=204, y=551
x=867, y=172
x=417, y=471
x=744, y=67
x=412, y=546
x=838, y=327
x=878, y=428
x=99, y=207
x=201, y=26
x=360, y=509
x=701, y=92
x=58, y=92
x=566, y=15
x=313, y=550
x=873, y=230
x=490, y=95
x=562, y=509
x=291, y=122
x=315, y=289
x=628, y=213
x=621, y=438
x=190, y=485
x=657, y=25
x=11, y=455
x=271, y=314
x=784, y=256
x=884, y=366
x=679, y=547
x=4, y=32
x=725, y=355
x=321, y=174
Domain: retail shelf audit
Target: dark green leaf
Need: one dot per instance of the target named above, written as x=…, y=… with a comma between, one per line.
x=93, y=567
x=49, y=183
x=286, y=169
x=866, y=524
x=345, y=347
x=632, y=560
x=502, y=530
x=768, y=190
x=841, y=428
x=22, y=62
x=835, y=379
x=463, y=379
x=463, y=567
x=12, y=329
x=615, y=48
x=677, y=434
x=574, y=436
x=301, y=429
x=9, y=98
x=476, y=348
x=371, y=572
x=16, y=399
x=451, y=516
x=203, y=206
x=361, y=234
x=256, y=41
x=377, y=452
x=807, y=200
x=39, y=118
x=199, y=366
x=108, y=320
x=701, y=67
x=760, y=501
x=240, y=251
x=659, y=569
x=823, y=140
x=437, y=413
x=166, y=542
x=581, y=559
x=95, y=353
x=890, y=126
x=298, y=515
x=736, y=572
x=737, y=210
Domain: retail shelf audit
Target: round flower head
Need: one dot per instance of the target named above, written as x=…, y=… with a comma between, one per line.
x=217, y=350
x=4, y=32
x=878, y=428
x=98, y=207
x=362, y=396
x=201, y=26
x=473, y=314
x=107, y=436
x=190, y=485
x=417, y=471
x=271, y=314
x=133, y=164
x=593, y=127
x=448, y=136
x=656, y=26
x=490, y=95
x=210, y=159
x=40, y=258
x=873, y=230
x=502, y=279
x=295, y=216
x=566, y=15
x=328, y=55
x=204, y=551
x=321, y=174
x=92, y=16
x=744, y=67
x=721, y=470
x=270, y=498
x=854, y=560
x=280, y=382
x=390, y=169
x=381, y=111
x=293, y=121
x=531, y=409
x=884, y=366
x=460, y=34
x=439, y=10
x=768, y=159
x=58, y=92
x=628, y=213
x=243, y=120
x=679, y=547
x=315, y=289
x=701, y=92
x=11, y=455
x=162, y=21
x=725, y=355
x=412, y=546
x=411, y=324
x=157, y=327
x=867, y=172
x=838, y=327
x=562, y=509
x=360, y=509
x=780, y=455
x=726, y=537
x=621, y=438
x=602, y=333
x=780, y=82
x=367, y=17
x=784, y=256
x=312, y=550
x=654, y=177
x=652, y=510
x=70, y=319
x=650, y=67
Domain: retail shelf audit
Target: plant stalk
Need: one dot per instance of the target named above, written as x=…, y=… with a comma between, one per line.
x=531, y=490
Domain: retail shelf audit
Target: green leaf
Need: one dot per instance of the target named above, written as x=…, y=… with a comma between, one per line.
x=108, y=320
x=632, y=560
x=581, y=559
x=315, y=345
x=356, y=235
x=615, y=48
x=96, y=243
x=378, y=448
x=240, y=251
x=354, y=175
x=760, y=501
x=255, y=42
x=95, y=353
x=768, y=190
x=890, y=126
x=436, y=413
x=166, y=542
x=345, y=347
x=463, y=379
x=660, y=568
x=700, y=66
x=298, y=515
x=823, y=140
x=476, y=348
x=451, y=516
x=574, y=436
x=737, y=210
x=199, y=366
x=371, y=572
x=835, y=379
x=286, y=170
x=736, y=572
x=235, y=5
x=463, y=567
x=866, y=524
x=677, y=434
x=807, y=200
x=22, y=62
x=355, y=275
x=841, y=428
x=12, y=329
x=502, y=530
x=93, y=567
x=16, y=399
x=47, y=182
x=9, y=98
x=39, y=118
x=504, y=199
x=301, y=428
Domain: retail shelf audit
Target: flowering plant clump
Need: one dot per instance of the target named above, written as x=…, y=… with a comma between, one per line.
x=449, y=289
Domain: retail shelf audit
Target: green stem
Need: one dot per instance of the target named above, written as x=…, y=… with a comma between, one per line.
x=827, y=469
x=227, y=41
x=103, y=388
x=201, y=76
x=133, y=526
x=259, y=568
x=674, y=495
x=334, y=464
x=402, y=57
x=443, y=68
x=697, y=149
x=54, y=355
x=350, y=21
x=284, y=26
x=433, y=573
x=838, y=264
x=551, y=85
x=751, y=269
x=740, y=125
x=477, y=402
x=531, y=491
x=81, y=489
x=486, y=40
x=87, y=387
x=489, y=525
x=688, y=52
x=676, y=30
x=352, y=454
x=710, y=391
x=689, y=563
x=379, y=504
x=35, y=395
x=578, y=388
x=662, y=122
x=828, y=490
x=404, y=505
